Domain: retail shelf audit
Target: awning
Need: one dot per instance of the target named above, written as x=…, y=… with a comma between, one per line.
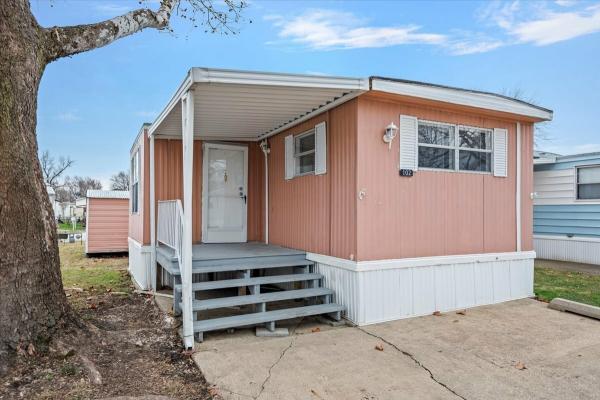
x=240, y=105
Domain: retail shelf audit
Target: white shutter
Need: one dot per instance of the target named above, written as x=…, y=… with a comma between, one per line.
x=320, y=149
x=290, y=164
x=500, y=152
x=408, y=142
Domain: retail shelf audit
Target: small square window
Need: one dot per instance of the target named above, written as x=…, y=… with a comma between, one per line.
x=588, y=183
x=304, y=153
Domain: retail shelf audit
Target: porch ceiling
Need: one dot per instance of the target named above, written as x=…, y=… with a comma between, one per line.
x=233, y=105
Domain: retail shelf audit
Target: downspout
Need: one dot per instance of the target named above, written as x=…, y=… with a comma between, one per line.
x=264, y=146
x=518, y=195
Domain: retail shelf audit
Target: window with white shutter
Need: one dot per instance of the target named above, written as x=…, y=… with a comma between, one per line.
x=306, y=153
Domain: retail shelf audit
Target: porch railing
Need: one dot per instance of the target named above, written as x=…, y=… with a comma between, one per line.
x=169, y=230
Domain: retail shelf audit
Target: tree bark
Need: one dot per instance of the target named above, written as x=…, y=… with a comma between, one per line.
x=32, y=300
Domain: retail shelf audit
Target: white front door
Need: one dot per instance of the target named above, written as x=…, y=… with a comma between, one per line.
x=224, y=193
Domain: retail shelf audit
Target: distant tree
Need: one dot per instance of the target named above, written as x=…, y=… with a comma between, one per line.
x=53, y=169
x=77, y=186
x=120, y=181
x=540, y=134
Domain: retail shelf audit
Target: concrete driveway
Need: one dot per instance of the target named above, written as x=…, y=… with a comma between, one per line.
x=519, y=349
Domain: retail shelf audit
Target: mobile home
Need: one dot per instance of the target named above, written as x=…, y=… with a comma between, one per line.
x=385, y=198
x=566, y=211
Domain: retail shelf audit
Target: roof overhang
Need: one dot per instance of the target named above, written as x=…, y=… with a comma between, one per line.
x=245, y=105
x=463, y=97
x=241, y=105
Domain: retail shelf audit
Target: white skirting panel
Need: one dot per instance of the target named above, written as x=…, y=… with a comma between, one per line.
x=139, y=264
x=562, y=248
x=379, y=291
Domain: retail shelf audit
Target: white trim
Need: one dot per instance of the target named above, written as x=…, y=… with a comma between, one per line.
x=371, y=265
x=571, y=239
x=205, y=157
x=139, y=255
x=518, y=199
x=153, y=268
x=179, y=93
x=187, y=141
x=462, y=97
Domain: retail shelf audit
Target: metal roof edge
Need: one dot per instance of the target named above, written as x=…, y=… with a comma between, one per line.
x=502, y=102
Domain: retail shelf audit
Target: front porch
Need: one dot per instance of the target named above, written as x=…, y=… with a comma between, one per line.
x=246, y=284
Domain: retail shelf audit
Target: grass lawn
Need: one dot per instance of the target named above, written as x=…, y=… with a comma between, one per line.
x=576, y=286
x=92, y=273
x=67, y=226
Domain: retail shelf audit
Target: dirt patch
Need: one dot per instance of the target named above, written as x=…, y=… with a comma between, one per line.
x=133, y=347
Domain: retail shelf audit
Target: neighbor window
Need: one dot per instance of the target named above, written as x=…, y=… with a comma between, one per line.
x=588, y=183
x=135, y=181
x=304, y=153
x=454, y=147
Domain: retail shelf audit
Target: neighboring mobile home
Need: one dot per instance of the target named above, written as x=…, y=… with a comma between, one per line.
x=388, y=198
x=566, y=212
x=107, y=221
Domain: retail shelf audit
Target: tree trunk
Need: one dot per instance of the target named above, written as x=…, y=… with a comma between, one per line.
x=32, y=300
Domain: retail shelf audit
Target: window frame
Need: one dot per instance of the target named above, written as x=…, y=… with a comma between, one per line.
x=135, y=181
x=297, y=156
x=456, y=147
x=577, y=168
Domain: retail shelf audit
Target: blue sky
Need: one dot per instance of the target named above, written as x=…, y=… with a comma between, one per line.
x=92, y=105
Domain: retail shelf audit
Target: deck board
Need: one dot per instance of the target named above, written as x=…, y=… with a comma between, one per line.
x=220, y=251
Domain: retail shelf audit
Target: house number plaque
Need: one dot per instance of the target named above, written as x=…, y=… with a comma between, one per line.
x=406, y=172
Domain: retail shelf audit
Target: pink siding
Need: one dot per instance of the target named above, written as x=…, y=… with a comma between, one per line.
x=139, y=221
x=433, y=213
x=107, y=221
x=317, y=213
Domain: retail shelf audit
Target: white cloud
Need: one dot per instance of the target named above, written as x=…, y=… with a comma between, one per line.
x=537, y=24
x=556, y=27
x=68, y=116
x=327, y=29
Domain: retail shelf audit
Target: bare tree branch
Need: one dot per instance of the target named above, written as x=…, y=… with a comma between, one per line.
x=53, y=170
x=120, y=181
x=69, y=40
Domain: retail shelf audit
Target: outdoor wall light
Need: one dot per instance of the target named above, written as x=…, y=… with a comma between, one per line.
x=390, y=133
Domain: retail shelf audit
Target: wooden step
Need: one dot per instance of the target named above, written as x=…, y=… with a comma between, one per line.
x=210, y=304
x=263, y=280
x=262, y=317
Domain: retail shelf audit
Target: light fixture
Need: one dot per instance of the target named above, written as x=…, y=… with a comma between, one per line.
x=390, y=133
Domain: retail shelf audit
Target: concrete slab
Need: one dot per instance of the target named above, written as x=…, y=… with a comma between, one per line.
x=519, y=349
x=278, y=332
x=575, y=307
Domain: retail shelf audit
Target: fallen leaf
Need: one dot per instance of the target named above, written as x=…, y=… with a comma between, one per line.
x=317, y=329
x=437, y=313
x=455, y=320
x=520, y=366
x=108, y=290
x=462, y=312
x=93, y=306
x=379, y=347
x=31, y=349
